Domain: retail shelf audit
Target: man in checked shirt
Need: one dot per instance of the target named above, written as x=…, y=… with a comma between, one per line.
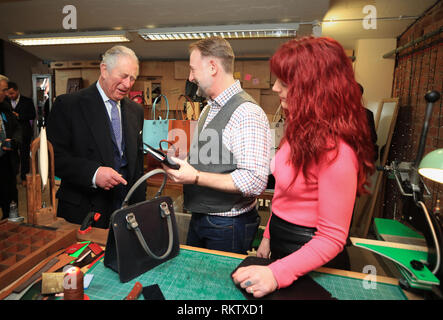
x=228, y=163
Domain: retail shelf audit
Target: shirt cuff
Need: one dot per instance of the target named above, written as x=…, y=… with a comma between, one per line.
x=93, y=179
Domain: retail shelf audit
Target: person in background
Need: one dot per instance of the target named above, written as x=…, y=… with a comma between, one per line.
x=10, y=139
x=97, y=138
x=24, y=110
x=370, y=116
x=324, y=161
x=229, y=159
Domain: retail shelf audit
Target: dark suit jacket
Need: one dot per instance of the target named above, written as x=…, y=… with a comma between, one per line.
x=371, y=123
x=26, y=111
x=12, y=126
x=79, y=130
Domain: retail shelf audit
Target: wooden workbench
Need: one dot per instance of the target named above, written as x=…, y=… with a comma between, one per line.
x=100, y=236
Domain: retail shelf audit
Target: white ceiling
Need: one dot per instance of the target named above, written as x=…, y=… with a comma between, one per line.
x=46, y=16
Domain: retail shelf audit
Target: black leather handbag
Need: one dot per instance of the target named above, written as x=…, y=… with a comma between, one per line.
x=143, y=235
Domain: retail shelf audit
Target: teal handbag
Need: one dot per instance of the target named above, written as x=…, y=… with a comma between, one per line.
x=156, y=130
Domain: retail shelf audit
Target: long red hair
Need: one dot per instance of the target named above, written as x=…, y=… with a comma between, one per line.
x=324, y=104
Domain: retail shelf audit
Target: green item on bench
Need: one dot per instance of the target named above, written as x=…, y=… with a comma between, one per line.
x=79, y=251
x=404, y=257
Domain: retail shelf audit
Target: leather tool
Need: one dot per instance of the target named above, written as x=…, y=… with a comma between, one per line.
x=88, y=222
x=135, y=292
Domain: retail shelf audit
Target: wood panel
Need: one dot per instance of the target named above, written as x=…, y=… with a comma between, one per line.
x=256, y=74
x=181, y=70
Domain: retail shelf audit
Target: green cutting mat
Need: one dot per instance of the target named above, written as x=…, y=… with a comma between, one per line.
x=189, y=276
x=203, y=276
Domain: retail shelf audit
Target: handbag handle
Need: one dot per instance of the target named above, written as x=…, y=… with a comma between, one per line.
x=155, y=102
x=170, y=144
x=146, y=176
x=165, y=213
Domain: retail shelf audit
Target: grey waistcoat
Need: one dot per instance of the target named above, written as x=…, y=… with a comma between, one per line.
x=208, y=154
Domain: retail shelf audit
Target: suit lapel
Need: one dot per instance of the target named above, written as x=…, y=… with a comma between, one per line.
x=94, y=111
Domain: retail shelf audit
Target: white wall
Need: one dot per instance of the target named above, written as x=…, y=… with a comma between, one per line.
x=374, y=72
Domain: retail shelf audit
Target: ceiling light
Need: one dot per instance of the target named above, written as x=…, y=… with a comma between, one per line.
x=244, y=31
x=70, y=38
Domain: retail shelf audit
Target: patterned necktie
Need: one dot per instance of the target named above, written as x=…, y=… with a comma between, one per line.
x=115, y=121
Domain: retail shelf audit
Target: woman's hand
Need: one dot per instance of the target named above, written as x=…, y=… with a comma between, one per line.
x=257, y=280
x=264, y=249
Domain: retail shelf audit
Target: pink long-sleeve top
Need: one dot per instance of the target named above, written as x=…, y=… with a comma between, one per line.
x=326, y=203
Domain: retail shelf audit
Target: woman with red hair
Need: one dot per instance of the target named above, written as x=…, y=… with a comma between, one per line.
x=323, y=162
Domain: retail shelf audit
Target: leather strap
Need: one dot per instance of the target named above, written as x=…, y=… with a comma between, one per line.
x=135, y=292
x=141, y=180
x=133, y=224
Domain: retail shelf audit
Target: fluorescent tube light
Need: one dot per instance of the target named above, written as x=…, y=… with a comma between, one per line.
x=70, y=38
x=244, y=31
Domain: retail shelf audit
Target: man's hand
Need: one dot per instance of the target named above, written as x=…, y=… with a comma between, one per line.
x=107, y=178
x=185, y=174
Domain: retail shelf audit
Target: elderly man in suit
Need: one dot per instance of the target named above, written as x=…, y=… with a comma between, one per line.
x=24, y=110
x=97, y=138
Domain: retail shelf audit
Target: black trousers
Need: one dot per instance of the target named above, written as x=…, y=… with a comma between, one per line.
x=8, y=187
x=287, y=238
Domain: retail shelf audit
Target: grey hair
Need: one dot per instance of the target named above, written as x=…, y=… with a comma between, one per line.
x=111, y=55
x=4, y=78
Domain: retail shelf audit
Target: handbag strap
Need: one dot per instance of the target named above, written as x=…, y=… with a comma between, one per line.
x=141, y=180
x=165, y=213
x=155, y=102
x=170, y=144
